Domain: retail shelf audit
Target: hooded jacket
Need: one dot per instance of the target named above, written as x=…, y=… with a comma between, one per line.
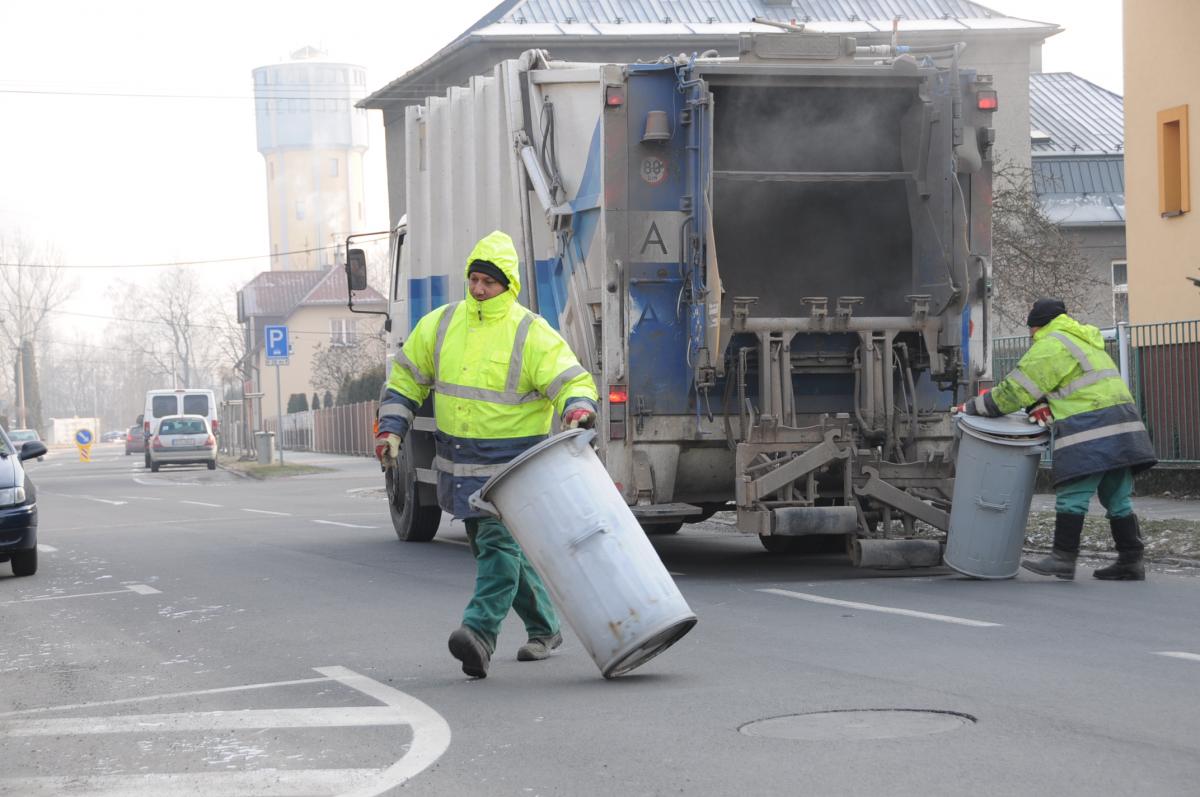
x=1096, y=422
x=500, y=373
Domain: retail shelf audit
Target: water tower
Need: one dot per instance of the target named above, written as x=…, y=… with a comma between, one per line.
x=313, y=139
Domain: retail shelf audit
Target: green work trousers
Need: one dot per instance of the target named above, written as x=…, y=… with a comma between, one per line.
x=1114, y=486
x=504, y=579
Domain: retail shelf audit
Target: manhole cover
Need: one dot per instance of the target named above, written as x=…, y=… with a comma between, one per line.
x=851, y=724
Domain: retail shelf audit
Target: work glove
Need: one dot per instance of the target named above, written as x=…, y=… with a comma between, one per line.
x=1040, y=414
x=581, y=418
x=387, y=447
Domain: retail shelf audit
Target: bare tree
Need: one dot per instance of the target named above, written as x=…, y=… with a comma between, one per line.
x=170, y=325
x=336, y=365
x=1031, y=257
x=32, y=284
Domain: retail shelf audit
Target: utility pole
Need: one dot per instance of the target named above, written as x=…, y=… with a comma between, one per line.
x=21, y=384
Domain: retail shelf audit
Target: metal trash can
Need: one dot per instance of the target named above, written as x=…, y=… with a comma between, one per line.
x=562, y=507
x=993, y=487
x=266, y=447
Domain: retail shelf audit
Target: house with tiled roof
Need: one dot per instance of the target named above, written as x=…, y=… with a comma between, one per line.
x=624, y=31
x=1077, y=142
x=312, y=305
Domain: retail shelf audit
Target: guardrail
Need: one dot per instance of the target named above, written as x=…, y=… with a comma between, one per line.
x=1161, y=365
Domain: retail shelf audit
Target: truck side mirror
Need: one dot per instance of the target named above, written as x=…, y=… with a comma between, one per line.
x=356, y=270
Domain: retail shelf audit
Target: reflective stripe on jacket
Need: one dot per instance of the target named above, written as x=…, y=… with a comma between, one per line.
x=500, y=374
x=1096, y=423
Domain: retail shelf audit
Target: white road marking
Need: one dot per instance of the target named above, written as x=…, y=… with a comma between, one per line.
x=47, y=548
x=674, y=573
x=102, y=500
x=456, y=542
x=140, y=589
x=1178, y=654
x=264, y=782
x=201, y=503
x=139, y=498
x=267, y=512
x=169, y=696
x=430, y=739
x=870, y=607
x=347, y=525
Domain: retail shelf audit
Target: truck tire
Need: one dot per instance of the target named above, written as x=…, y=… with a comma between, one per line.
x=670, y=527
x=413, y=520
x=24, y=563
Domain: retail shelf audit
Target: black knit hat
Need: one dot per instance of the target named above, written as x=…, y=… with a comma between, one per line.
x=1044, y=311
x=489, y=268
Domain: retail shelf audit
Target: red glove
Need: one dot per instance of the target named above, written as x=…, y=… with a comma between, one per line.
x=387, y=446
x=1040, y=415
x=582, y=418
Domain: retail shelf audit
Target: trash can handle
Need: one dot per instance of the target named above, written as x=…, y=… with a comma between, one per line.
x=599, y=528
x=477, y=502
x=989, y=505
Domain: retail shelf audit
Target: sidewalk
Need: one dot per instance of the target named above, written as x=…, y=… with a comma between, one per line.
x=1147, y=507
x=342, y=463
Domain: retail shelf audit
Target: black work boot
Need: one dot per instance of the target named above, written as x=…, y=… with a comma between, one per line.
x=1061, y=561
x=473, y=652
x=538, y=648
x=1128, y=538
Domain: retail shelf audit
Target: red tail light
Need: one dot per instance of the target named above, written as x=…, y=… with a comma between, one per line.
x=986, y=100
x=618, y=394
x=216, y=427
x=618, y=397
x=146, y=427
x=156, y=442
x=210, y=442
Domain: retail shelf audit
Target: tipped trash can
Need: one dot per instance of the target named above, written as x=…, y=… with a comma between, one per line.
x=561, y=505
x=993, y=487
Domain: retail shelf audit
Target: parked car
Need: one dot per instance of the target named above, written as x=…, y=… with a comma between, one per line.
x=180, y=401
x=182, y=440
x=20, y=437
x=112, y=437
x=18, y=505
x=135, y=440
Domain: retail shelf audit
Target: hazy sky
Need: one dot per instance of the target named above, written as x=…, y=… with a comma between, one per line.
x=176, y=176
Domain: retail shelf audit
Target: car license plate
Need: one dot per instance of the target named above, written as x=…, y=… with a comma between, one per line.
x=181, y=442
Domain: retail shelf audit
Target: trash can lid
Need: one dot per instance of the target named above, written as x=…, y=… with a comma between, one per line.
x=1015, y=425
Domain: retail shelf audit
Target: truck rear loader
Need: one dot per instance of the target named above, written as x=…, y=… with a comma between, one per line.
x=776, y=267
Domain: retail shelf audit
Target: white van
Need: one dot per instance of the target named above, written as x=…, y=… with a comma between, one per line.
x=180, y=401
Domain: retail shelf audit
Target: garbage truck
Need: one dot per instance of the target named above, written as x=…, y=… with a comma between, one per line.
x=776, y=267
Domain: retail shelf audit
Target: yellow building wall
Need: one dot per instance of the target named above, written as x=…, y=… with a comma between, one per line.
x=307, y=327
x=1162, y=71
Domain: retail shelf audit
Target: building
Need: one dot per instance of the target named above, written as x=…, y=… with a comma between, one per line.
x=312, y=304
x=1077, y=140
x=1161, y=92
x=623, y=31
x=312, y=138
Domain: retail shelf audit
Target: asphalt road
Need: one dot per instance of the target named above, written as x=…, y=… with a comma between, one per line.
x=200, y=633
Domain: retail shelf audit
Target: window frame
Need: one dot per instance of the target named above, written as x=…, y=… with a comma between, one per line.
x=1174, y=188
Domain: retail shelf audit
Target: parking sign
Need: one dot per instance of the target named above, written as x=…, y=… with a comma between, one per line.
x=277, y=342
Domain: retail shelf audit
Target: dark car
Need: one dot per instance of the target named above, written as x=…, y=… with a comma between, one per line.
x=20, y=437
x=18, y=506
x=135, y=440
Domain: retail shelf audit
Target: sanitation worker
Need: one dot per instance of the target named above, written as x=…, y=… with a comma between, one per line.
x=500, y=373
x=1070, y=382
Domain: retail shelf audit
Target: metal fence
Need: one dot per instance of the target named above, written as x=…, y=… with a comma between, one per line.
x=347, y=429
x=1161, y=365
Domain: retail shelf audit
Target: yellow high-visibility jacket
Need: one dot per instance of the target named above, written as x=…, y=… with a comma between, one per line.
x=499, y=373
x=1096, y=422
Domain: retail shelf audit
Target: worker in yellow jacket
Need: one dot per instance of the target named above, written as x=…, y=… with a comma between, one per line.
x=500, y=374
x=1067, y=380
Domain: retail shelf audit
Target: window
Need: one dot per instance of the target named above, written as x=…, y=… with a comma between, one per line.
x=333, y=167
x=195, y=405
x=299, y=210
x=341, y=331
x=1173, y=189
x=162, y=406
x=1120, y=287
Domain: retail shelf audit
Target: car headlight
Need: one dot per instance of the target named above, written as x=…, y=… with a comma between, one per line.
x=12, y=496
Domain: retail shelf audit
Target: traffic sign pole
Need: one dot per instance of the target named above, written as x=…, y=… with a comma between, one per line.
x=279, y=411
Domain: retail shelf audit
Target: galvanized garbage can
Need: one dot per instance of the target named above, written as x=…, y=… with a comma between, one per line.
x=266, y=447
x=993, y=487
x=562, y=507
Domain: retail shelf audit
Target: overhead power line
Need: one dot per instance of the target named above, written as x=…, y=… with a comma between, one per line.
x=179, y=262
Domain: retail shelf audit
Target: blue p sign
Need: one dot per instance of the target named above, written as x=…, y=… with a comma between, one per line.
x=277, y=341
